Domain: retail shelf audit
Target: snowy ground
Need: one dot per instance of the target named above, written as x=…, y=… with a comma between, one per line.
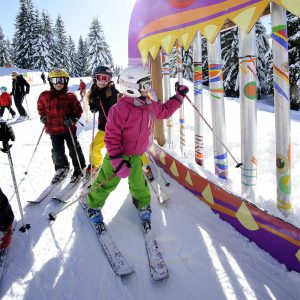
x=207, y=258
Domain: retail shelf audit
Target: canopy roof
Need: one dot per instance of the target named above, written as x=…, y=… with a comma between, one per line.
x=159, y=23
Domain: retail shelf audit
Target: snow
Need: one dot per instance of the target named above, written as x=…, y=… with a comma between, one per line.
x=207, y=258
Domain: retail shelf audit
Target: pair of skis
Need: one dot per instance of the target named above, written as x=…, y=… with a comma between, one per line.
x=121, y=267
x=60, y=191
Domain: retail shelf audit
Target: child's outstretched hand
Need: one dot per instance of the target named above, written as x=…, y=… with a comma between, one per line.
x=121, y=167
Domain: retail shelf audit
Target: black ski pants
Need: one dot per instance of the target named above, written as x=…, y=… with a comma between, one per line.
x=59, y=157
x=11, y=111
x=6, y=213
x=18, y=103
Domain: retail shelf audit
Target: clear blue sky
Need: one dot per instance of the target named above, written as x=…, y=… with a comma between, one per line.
x=77, y=15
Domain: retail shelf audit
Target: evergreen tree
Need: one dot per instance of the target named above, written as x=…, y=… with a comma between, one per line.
x=269, y=72
x=37, y=53
x=98, y=50
x=187, y=63
x=263, y=47
x=73, y=68
x=5, y=58
x=205, y=80
x=117, y=70
x=173, y=62
x=60, y=47
x=230, y=61
x=44, y=48
x=293, y=23
x=82, y=55
x=22, y=41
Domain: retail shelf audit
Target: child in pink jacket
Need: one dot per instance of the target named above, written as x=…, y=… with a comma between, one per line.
x=127, y=136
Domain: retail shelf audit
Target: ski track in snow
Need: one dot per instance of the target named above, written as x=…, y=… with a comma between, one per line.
x=206, y=257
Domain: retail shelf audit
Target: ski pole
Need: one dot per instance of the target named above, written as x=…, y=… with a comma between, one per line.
x=53, y=215
x=34, y=151
x=27, y=107
x=76, y=152
x=238, y=164
x=93, y=144
x=25, y=227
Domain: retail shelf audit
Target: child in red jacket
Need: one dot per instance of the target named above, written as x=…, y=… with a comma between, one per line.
x=5, y=102
x=59, y=110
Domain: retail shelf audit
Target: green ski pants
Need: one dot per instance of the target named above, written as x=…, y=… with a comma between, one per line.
x=137, y=183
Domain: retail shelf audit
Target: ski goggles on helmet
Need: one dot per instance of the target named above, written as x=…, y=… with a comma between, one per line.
x=56, y=80
x=103, y=77
x=145, y=84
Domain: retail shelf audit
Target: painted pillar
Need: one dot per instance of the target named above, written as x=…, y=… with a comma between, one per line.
x=198, y=101
x=167, y=95
x=181, y=109
x=282, y=108
x=159, y=134
x=217, y=106
x=248, y=97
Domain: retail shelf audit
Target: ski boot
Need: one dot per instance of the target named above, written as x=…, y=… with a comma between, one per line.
x=91, y=170
x=76, y=175
x=95, y=215
x=145, y=217
x=60, y=175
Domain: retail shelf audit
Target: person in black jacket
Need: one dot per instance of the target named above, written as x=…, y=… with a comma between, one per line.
x=101, y=97
x=6, y=213
x=20, y=87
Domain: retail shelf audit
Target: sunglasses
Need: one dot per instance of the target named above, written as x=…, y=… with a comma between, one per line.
x=102, y=77
x=58, y=80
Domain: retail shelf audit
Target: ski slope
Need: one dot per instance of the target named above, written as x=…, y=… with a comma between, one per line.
x=206, y=257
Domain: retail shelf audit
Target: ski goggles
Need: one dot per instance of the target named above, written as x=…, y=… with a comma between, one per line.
x=102, y=77
x=145, y=84
x=56, y=80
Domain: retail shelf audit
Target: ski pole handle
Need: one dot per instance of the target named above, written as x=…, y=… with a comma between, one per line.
x=238, y=164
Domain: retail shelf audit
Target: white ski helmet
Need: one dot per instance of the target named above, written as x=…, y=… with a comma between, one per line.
x=134, y=79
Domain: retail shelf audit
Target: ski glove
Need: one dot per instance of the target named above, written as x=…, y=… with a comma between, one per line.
x=181, y=89
x=68, y=121
x=93, y=107
x=121, y=167
x=44, y=119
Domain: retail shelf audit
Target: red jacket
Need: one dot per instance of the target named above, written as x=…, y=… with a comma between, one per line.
x=55, y=106
x=5, y=99
x=82, y=86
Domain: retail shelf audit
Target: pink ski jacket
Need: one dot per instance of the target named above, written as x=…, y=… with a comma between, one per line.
x=130, y=124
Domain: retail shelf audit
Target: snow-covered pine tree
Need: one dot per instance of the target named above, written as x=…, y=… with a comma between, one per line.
x=173, y=62
x=205, y=80
x=230, y=61
x=293, y=23
x=98, y=49
x=60, y=58
x=22, y=41
x=39, y=53
x=263, y=47
x=5, y=58
x=73, y=69
x=43, y=35
x=82, y=55
x=269, y=72
x=187, y=61
x=117, y=70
